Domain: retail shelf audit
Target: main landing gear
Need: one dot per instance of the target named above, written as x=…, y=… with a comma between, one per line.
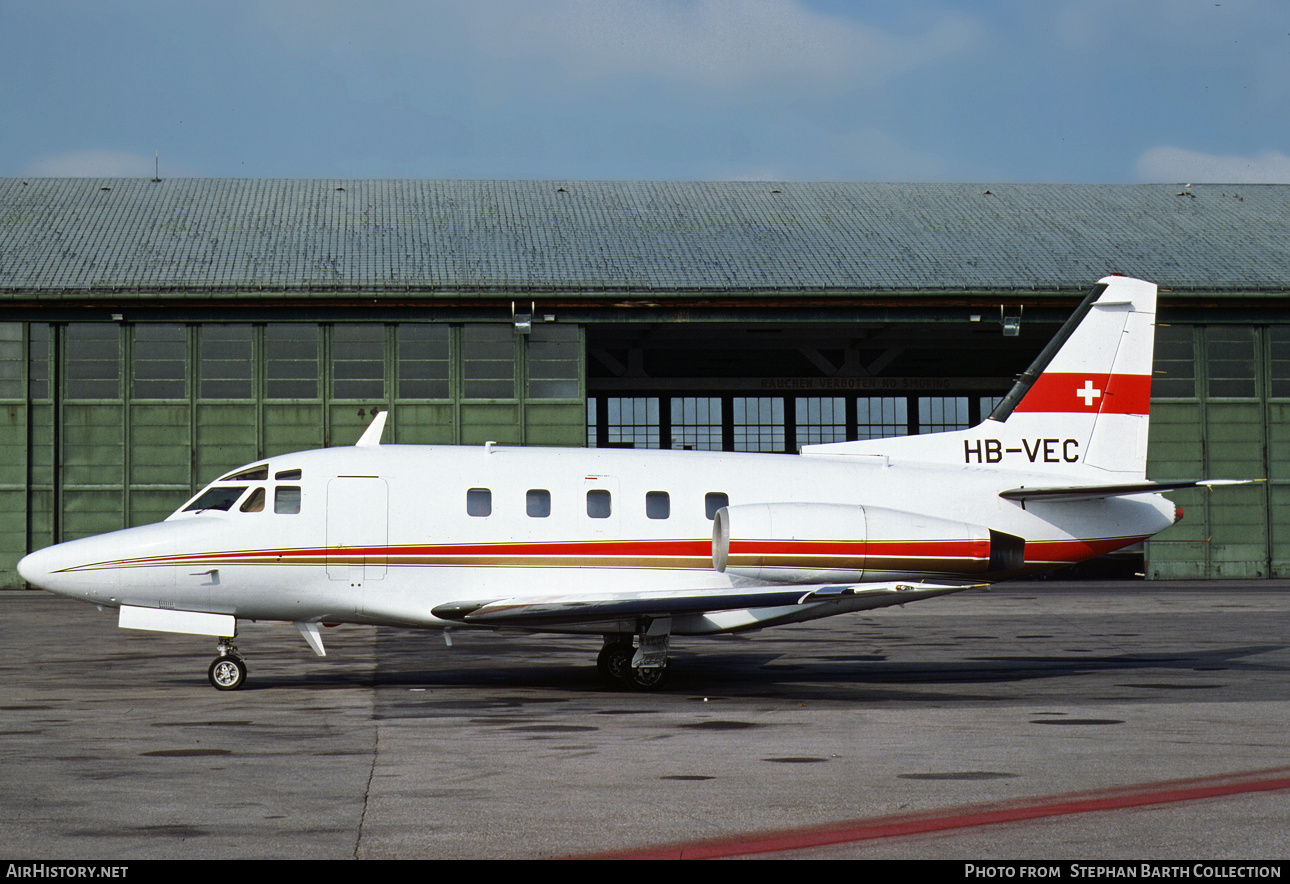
x=227, y=672
x=644, y=668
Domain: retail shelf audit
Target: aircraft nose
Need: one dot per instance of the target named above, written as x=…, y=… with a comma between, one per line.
x=36, y=567
x=55, y=569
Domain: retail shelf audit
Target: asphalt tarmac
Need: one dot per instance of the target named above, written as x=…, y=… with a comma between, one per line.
x=1036, y=720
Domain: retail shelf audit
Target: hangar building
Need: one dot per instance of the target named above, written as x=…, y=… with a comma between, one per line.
x=156, y=333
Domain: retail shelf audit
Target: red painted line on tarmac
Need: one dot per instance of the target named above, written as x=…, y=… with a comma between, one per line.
x=851, y=831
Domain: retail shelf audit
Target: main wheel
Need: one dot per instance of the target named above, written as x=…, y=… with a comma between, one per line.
x=227, y=673
x=615, y=662
x=646, y=679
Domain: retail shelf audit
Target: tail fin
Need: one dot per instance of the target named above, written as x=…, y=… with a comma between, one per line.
x=1083, y=403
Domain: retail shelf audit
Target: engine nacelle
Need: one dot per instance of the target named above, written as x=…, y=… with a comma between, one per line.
x=826, y=543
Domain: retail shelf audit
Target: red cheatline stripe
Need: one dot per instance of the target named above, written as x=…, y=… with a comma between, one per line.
x=1146, y=794
x=911, y=554
x=1089, y=394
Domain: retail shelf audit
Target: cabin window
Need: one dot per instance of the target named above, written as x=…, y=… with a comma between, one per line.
x=254, y=474
x=287, y=475
x=286, y=500
x=221, y=497
x=657, y=504
x=599, y=505
x=713, y=501
x=254, y=501
x=538, y=503
x=479, y=502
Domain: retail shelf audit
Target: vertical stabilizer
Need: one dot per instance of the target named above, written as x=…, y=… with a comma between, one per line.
x=1096, y=388
x=1081, y=407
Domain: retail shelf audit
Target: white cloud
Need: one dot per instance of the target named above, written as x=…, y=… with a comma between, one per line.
x=711, y=43
x=1176, y=165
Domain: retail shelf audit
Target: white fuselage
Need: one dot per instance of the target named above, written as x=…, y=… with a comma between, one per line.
x=385, y=534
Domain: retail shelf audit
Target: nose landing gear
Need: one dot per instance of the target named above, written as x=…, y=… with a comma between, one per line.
x=227, y=672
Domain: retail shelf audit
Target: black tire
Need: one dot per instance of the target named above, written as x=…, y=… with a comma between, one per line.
x=646, y=679
x=227, y=673
x=615, y=662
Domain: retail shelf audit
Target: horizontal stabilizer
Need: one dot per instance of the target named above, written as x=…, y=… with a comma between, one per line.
x=615, y=606
x=1094, y=492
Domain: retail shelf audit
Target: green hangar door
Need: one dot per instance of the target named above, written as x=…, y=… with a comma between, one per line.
x=1220, y=409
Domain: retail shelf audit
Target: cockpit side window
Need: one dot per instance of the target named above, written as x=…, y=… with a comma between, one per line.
x=254, y=501
x=254, y=474
x=287, y=475
x=286, y=499
x=221, y=497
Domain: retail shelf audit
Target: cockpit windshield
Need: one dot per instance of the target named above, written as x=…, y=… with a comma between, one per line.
x=264, y=495
x=220, y=497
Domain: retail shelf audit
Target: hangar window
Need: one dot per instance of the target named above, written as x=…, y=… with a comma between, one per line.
x=38, y=360
x=488, y=361
x=696, y=423
x=424, y=360
x=937, y=414
x=358, y=361
x=1279, y=369
x=599, y=504
x=537, y=503
x=821, y=419
x=227, y=360
x=555, y=359
x=93, y=361
x=1230, y=353
x=11, y=359
x=713, y=501
x=986, y=405
x=631, y=422
x=759, y=423
x=657, y=504
x=160, y=361
x=291, y=361
x=1173, y=374
x=286, y=500
x=878, y=417
x=479, y=502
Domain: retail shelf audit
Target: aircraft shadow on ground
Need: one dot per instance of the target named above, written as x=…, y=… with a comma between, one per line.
x=524, y=664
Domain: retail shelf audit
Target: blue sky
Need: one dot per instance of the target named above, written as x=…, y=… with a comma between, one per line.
x=806, y=90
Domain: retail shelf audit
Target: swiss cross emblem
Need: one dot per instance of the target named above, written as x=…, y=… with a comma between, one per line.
x=1088, y=393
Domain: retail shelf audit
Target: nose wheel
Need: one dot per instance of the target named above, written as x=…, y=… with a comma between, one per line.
x=227, y=672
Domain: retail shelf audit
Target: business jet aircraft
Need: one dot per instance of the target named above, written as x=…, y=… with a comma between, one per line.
x=637, y=546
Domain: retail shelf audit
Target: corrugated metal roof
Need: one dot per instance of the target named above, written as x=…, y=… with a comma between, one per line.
x=81, y=236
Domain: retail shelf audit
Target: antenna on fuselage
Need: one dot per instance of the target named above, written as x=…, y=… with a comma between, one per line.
x=372, y=435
